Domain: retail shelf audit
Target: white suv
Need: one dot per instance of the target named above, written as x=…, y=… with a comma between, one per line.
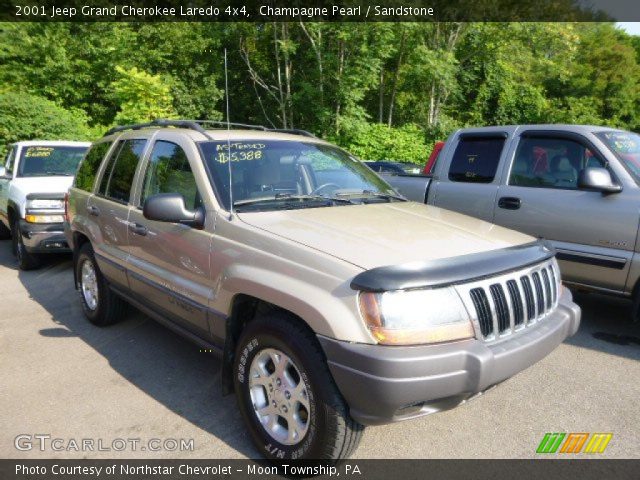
x=33, y=182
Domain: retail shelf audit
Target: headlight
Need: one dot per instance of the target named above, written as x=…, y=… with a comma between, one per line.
x=415, y=316
x=44, y=210
x=42, y=203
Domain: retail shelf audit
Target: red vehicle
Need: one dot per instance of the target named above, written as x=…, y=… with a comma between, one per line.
x=433, y=158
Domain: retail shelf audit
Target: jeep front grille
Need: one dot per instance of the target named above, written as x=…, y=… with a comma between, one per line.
x=505, y=304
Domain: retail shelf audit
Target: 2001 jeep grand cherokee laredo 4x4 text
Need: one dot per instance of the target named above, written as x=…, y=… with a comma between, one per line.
x=332, y=302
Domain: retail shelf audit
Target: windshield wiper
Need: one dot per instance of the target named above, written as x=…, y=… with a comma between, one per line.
x=58, y=174
x=280, y=197
x=372, y=193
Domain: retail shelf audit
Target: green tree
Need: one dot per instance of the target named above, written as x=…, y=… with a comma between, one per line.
x=29, y=117
x=142, y=97
x=376, y=141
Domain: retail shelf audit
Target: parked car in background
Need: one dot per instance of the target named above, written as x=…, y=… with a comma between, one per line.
x=433, y=158
x=400, y=168
x=332, y=302
x=578, y=186
x=33, y=181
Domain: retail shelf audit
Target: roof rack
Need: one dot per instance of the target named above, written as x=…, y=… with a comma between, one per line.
x=197, y=126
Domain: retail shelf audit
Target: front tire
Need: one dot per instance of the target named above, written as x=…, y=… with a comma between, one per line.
x=26, y=260
x=286, y=394
x=5, y=233
x=101, y=306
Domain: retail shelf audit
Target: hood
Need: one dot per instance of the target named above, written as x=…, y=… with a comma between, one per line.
x=376, y=235
x=53, y=184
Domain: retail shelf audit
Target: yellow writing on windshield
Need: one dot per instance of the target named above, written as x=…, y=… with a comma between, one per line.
x=38, y=151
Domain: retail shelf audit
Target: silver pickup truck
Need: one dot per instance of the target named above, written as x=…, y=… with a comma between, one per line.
x=577, y=186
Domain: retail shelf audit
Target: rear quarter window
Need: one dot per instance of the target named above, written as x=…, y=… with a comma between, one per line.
x=476, y=159
x=86, y=175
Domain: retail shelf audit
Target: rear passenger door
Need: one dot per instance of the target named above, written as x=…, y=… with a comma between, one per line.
x=109, y=208
x=470, y=183
x=594, y=233
x=169, y=263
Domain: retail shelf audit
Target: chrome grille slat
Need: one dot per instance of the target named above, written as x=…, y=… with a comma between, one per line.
x=539, y=293
x=554, y=285
x=530, y=299
x=502, y=309
x=505, y=304
x=547, y=288
x=481, y=304
x=516, y=302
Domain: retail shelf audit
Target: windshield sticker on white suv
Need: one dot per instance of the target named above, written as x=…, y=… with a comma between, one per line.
x=38, y=152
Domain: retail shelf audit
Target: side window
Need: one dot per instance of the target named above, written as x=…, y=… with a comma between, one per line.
x=86, y=175
x=168, y=171
x=118, y=176
x=551, y=163
x=476, y=159
x=9, y=160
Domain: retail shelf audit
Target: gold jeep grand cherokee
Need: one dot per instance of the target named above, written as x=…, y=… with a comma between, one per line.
x=333, y=302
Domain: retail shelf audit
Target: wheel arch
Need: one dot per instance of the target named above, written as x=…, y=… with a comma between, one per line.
x=13, y=212
x=79, y=239
x=244, y=309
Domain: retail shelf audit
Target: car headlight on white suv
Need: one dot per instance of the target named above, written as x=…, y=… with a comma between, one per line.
x=45, y=203
x=44, y=210
x=412, y=317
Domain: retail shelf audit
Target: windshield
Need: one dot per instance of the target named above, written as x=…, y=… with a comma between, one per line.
x=280, y=174
x=625, y=146
x=44, y=161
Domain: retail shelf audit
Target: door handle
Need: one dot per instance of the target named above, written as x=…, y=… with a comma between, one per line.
x=138, y=229
x=509, y=203
x=93, y=210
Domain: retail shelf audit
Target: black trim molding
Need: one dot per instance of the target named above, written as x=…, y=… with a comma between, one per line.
x=588, y=260
x=447, y=271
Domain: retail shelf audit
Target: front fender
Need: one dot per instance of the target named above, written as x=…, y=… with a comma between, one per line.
x=329, y=310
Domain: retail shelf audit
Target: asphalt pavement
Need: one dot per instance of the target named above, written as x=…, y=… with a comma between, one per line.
x=137, y=381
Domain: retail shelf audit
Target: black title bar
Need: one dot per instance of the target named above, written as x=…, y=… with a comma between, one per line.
x=320, y=10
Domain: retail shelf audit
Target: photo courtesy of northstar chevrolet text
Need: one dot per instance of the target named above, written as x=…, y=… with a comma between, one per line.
x=238, y=236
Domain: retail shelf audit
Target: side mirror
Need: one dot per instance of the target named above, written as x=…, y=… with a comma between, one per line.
x=597, y=180
x=170, y=208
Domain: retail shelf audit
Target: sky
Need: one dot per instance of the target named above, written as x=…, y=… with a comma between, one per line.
x=632, y=28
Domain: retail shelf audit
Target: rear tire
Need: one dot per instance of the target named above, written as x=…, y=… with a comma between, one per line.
x=26, y=260
x=295, y=411
x=101, y=306
x=635, y=308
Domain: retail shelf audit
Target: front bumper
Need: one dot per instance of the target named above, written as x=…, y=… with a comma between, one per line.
x=384, y=384
x=43, y=238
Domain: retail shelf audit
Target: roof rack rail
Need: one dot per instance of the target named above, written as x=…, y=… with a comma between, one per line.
x=158, y=123
x=293, y=131
x=197, y=126
x=224, y=124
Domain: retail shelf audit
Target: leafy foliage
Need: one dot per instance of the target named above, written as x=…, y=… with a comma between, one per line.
x=142, y=97
x=384, y=90
x=28, y=117
x=375, y=141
